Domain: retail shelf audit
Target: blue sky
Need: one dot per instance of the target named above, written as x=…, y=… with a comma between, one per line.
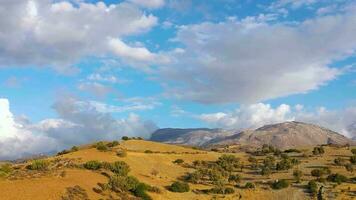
x=168, y=63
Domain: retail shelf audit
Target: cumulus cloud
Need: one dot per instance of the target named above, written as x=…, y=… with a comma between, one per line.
x=58, y=34
x=149, y=3
x=256, y=115
x=96, y=89
x=79, y=122
x=251, y=60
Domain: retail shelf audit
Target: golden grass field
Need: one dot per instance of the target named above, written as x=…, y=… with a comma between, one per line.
x=51, y=186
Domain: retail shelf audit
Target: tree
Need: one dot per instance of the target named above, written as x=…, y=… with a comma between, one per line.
x=179, y=187
x=312, y=187
x=297, y=175
x=125, y=138
x=318, y=150
x=235, y=178
x=280, y=184
x=337, y=178
x=265, y=171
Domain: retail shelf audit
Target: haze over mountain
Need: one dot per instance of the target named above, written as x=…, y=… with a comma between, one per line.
x=281, y=135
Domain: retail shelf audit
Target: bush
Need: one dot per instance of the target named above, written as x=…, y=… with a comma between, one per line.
x=178, y=161
x=101, y=146
x=284, y=164
x=92, y=165
x=265, y=171
x=297, y=175
x=222, y=190
x=5, y=169
x=121, y=153
x=148, y=151
x=123, y=183
x=312, y=187
x=353, y=151
x=140, y=191
x=125, y=138
x=234, y=178
x=318, y=150
x=38, y=165
x=292, y=151
x=120, y=168
x=228, y=162
x=317, y=172
x=339, y=161
x=74, y=148
x=113, y=144
x=249, y=185
x=337, y=178
x=353, y=159
x=349, y=168
x=179, y=187
x=280, y=184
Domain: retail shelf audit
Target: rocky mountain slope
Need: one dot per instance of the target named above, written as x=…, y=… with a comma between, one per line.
x=282, y=135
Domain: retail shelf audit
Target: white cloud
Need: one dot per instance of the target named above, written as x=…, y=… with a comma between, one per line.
x=249, y=116
x=97, y=89
x=104, y=78
x=59, y=34
x=256, y=115
x=79, y=122
x=250, y=60
x=149, y=3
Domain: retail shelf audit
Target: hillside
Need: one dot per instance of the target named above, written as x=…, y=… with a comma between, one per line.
x=282, y=135
x=68, y=176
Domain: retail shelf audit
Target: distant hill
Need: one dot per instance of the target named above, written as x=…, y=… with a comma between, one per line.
x=282, y=135
x=197, y=136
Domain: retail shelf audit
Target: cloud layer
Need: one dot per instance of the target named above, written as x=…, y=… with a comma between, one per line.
x=254, y=59
x=79, y=122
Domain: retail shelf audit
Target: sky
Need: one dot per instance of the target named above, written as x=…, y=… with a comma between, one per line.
x=77, y=71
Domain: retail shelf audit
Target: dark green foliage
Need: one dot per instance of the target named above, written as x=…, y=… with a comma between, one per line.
x=249, y=185
x=140, y=191
x=312, y=187
x=337, y=178
x=353, y=151
x=125, y=138
x=123, y=183
x=178, y=161
x=292, y=151
x=74, y=148
x=269, y=162
x=297, y=174
x=93, y=165
x=120, y=168
x=235, y=178
x=318, y=150
x=317, y=172
x=280, y=184
x=101, y=146
x=179, y=187
x=113, y=144
x=265, y=171
x=193, y=177
x=228, y=162
x=339, y=161
x=5, y=170
x=148, y=151
x=284, y=164
x=349, y=168
x=353, y=159
x=38, y=165
x=222, y=190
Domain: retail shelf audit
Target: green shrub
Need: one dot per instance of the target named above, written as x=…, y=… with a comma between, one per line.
x=148, y=151
x=121, y=153
x=125, y=138
x=349, y=168
x=292, y=151
x=280, y=184
x=317, y=172
x=337, y=178
x=179, y=187
x=101, y=146
x=249, y=185
x=284, y=164
x=297, y=175
x=222, y=190
x=38, y=165
x=74, y=148
x=228, y=162
x=140, y=191
x=265, y=171
x=93, y=165
x=312, y=187
x=353, y=159
x=339, y=161
x=234, y=178
x=178, y=161
x=318, y=150
x=5, y=170
x=123, y=183
x=120, y=168
x=113, y=144
x=353, y=151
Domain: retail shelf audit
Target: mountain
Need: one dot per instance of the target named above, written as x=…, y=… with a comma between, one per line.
x=197, y=136
x=282, y=135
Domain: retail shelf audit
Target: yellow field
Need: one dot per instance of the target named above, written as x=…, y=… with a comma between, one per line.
x=52, y=186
